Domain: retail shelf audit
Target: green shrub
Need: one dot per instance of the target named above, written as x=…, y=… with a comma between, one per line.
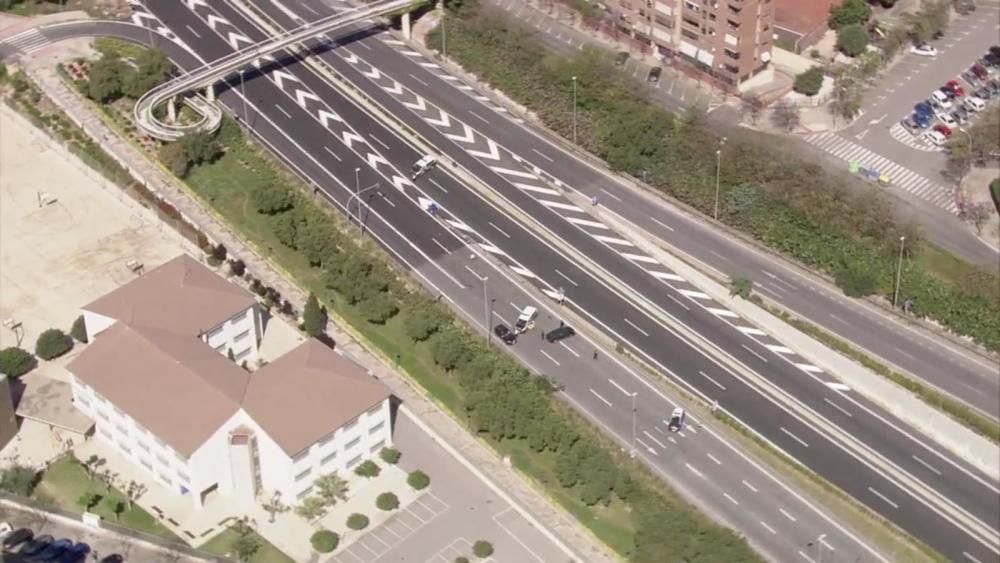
x=418, y=480
x=809, y=82
x=324, y=541
x=390, y=455
x=482, y=549
x=15, y=362
x=367, y=468
x=850, y=12
x=52, y=343
x=357, y=521
x=387, y=502
x=18, y=480
x=852, y=40
x=856, y=281
x=79, y=330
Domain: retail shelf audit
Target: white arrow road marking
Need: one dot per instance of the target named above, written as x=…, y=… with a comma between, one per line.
x=396, y=88
x=494, y=153
x=351, y=58
x=302, y=95
x=373, y=73
x=419, y=105
x=466, y=138
x=443, y=121
x=400, y=182
x=326, y=117
x=268, y=58
x=349, y=138
x=374, y=160
x=137, y=17
x=214, y=20
x=235, y=38
x=192, y=4
x=280, y=76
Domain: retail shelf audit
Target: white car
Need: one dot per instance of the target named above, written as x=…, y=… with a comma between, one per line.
x=974, y=103
x=947, y=119
x=935, y=138
x=676, y=420
x=924, y=50
x=5, y=529
x=941, y=98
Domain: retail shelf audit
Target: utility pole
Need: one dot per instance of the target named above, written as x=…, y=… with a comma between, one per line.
x=357, y=194
x=899, y=271
x=243, y=94
x=444, y=33
x=487, y=312
x=574, y=110
x=718, y=170
x=633, y=395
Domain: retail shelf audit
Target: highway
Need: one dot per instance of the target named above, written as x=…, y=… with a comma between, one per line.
x=639, y=297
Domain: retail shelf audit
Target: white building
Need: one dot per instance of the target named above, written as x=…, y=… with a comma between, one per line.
x=158, y=383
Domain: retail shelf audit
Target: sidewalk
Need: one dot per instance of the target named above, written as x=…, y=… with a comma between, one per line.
x=474, y=454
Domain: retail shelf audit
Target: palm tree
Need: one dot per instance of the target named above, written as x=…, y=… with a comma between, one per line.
x=331, y=488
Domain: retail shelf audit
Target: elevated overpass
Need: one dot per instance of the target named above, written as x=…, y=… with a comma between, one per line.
x=218, y=70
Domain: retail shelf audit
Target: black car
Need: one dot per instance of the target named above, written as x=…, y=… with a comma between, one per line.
x=113, y=558
x=561, y=333
x=17, y=537
x=53, y=550
x=505, y=334
x=36, y=545
x=948, y=92
x=984, y=93
x=654, y=74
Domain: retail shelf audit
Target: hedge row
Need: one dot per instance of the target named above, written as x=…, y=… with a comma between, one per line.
x=788, y=204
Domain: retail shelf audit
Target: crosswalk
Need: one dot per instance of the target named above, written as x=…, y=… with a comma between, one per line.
x=27, y=42
x=901, y=177
x=899, y=133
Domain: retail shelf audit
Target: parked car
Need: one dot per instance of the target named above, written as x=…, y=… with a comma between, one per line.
x=994, y=86
x=923, y=121
x=505, y=334
x=971, y=78
x=923, y=108
x=654, y=74
x=943, y=129
x=560, y=333
x=53, y=550
x=958, y=117
x=923, y=50
x=946, y=119
x=113, y=558
x=963, y=114
x=676, y=420
x=621, y=57
x=984, y=93
x=76, y=553
x=955, y=87
x=941, y=98
x=974, y=103
x=948, y=92
x=911, y=125
x=980, y=71
x=17, y=537
x=526, y=320
x=935, y=138
x=33, y=546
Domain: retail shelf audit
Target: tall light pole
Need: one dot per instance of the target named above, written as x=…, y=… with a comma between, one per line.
x=718, y=170
x=633, y=395
x=444, y=33
x=819, y=548
x=574, y=110
x=243, y=93
x=357, y=194
x=899, y=271
x=969, y=150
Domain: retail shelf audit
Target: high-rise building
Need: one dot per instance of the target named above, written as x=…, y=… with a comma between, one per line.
x=727, y=40
x=8, y=422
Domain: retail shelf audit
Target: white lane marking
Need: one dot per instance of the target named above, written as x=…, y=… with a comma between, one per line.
x=193, y=32
x=806, y=557
x=751, y=331
x=571, y=351
x=613, y=240
x=651, y=437
x=389, y=201
x=679, y=302
x=509, y=172
x=474, y=273
x=611, y=195
x=794, y=437
x=606, y=402
x=560, y=205
x=838, y=407
x=826, y=544
x=749, y=486
x=883, y=497
x=586, y=222
x=662, y=224
x=693, y=470
x=927, y=465
x=667, y=276
x=809, y=367
x=641, y=258
x=282, y=110
x=693, y=294
x=550, y=357
x=443, y=247
x=523, y=271
x=479, y=117
x=717, y=384
x=333, y=154
x=779, y=349
x=722, y=312
x=713, y=458
x=968, y=556
x=379, y=141
x=648, y=449
x=420, y=81
x=541, y=154
x=436, y=184
x=619, y=387
x=567, y=278
x=502, y=232
x=537, y=189
x=769, y=529
x=786, y=514
x=759, y=357
x=731, y=499
x=633, y=325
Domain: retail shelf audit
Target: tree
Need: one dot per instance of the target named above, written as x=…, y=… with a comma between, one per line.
x=379, y=308
x=79, y=330
x=851, y=12
x=247, y=543
x=324, y=541
x=357, y=521
x=152, y=69
x=387, y=502
x=846, y=102
x=852, y=40
x=271, y=199
x=449, y=350
x=390, y=455
x=482, y=549
x=115, y=506
x=367, y=468
x=809, y=82
x=313, y=317
x=15, y=362
x=107, y=478
x=273, y=506
x=286, y=228
x=18, y=480
x=237, y=267
x=856, y=280
x=785, y=115
x=311, y=508
x=752, y=107
x=133, y=492
x=418, y=480
x=741, y=286
x=88, y=500
x=977, y=214
x=331, y=488
x=106, y=79
x=52, y=343
x=928, y=22
x=172, y=156
x=92, y=465
x=199, y=147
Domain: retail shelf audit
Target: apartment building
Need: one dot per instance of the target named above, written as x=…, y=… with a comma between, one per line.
x=727, y=40
x=159, y=384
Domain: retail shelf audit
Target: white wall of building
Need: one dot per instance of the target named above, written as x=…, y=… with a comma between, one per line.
x=96, y=324
x=241, y=333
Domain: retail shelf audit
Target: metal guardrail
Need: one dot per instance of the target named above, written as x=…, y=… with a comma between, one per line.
x=219, y=69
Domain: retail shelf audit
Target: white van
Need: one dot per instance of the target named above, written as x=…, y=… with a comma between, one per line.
x=941, y=98
x=974, y=103
x=425, y=163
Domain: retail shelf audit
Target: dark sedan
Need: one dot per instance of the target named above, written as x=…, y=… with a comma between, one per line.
x=505, y=334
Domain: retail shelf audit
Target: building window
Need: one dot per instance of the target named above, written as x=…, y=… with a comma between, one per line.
x=304, y=493
x=352, y=443
x=354, y=461
x=302, y=455
x=164, y=478
x=103, y=415
x=375, y=410
x=143, y=445
x=303, y=475
x=105, y=433
x=242, y=335
x=83, y=401
x=329, y=458
x=238, y=318
x=183, y=477
x=124, y=447
x=121, y=429
x=213, y=333
x=376, y=428
x=327, y=438
x=119, y=412
x=350, y=424
x=145, y=463
x=378, y=446
x=242, y=355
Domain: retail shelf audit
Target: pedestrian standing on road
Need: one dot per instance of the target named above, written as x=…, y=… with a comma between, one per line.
x=593, y=200
x=561, y=324
x=595, y=354
x=542, y=332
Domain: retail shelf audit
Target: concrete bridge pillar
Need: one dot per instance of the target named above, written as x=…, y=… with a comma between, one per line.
x=210, y=92
x=172, y=110
x=406, y=25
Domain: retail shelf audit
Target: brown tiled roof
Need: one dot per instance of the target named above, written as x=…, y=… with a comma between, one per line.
x=803, y=16
x=181, y=296
x=175, y=385
x=308, y=393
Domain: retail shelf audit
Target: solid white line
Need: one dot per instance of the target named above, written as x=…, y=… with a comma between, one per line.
x=883, y=497
x=693, y=470
x=565, y=277
x=644, y=333
x=613, y=240
x=970, y=557
x=479, y=117
x=439, y=186
x=809, y=367
x=761, y=358
x=662, y=224
x=443, y=247
x=541, y=154
x=550, y=357
x=793, y=436
x=387, y=200
x=649, y=449
x=193, y=32
x=927, y=465
x=786, y=515
x=679, y=302
x=282, y=110
x=749, y=486
x=420, y=81
x=693, y=294
x=619, y=387
x=333, y=154
x=770, y=529
x=474, y=273
x=377, y=140
x=717, y=384
x=607, y=402
x=499, y=229
x=731, y=499
x=713, y=458
x=839, y=408
x=723, y=312
x=586, y=222
x=825, y=543
x=611, y=195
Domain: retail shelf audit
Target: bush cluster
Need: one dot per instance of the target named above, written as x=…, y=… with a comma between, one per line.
x=52, y=343
x=324, y=541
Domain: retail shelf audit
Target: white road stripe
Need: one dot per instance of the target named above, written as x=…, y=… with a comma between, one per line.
x=927, y=465
x=550, y=357
x=596, y=394
x=706, y=376
x=769, y=529
x=693, y=470
x=667, y=276
x=838, y=407
x=619, y=387
x=560, y=205
x=509, y=172
x=537, y=189
x=633, y=325
x=793, y=436
x=883, y=497
x=565, y=277
x=722, y=312
x=779, y=349
x=586, y=222
x=749, y=486
x=640, y=258
x=809, y=368
x=613, y=240
x=751, y=331
x=731, y=499
x=693, y=293
x=786, y=514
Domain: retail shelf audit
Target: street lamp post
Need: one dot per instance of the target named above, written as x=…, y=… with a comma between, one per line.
x=444, y=34
x=633, y=395
x=899, y=271
x=718, y=170
x=243, y=93
x=574, y=110
x=486, y=312
x=819, y=548
x=357, y=194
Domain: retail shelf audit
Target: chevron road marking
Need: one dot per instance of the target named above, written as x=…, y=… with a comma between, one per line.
x=493, y=154
x=302, y=95
x=213, y=21
x=349, y=138
x=373, y=73
x=326, y=117
x=400, y=182
x=467, y=137
x=396, y=88
x=280, y=76
x=419, y=105
x=375, y=159
x=443, y=121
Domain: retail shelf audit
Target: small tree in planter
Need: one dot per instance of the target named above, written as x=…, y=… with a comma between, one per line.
x=324, y=541
x=482, y=549
x=367, y=468
x=418, y=480
x=387, y=502
x=79, y=330
x=52, y=343
x=15, y=361
x=357, y=521
x=237, y=267
x=390, y=455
